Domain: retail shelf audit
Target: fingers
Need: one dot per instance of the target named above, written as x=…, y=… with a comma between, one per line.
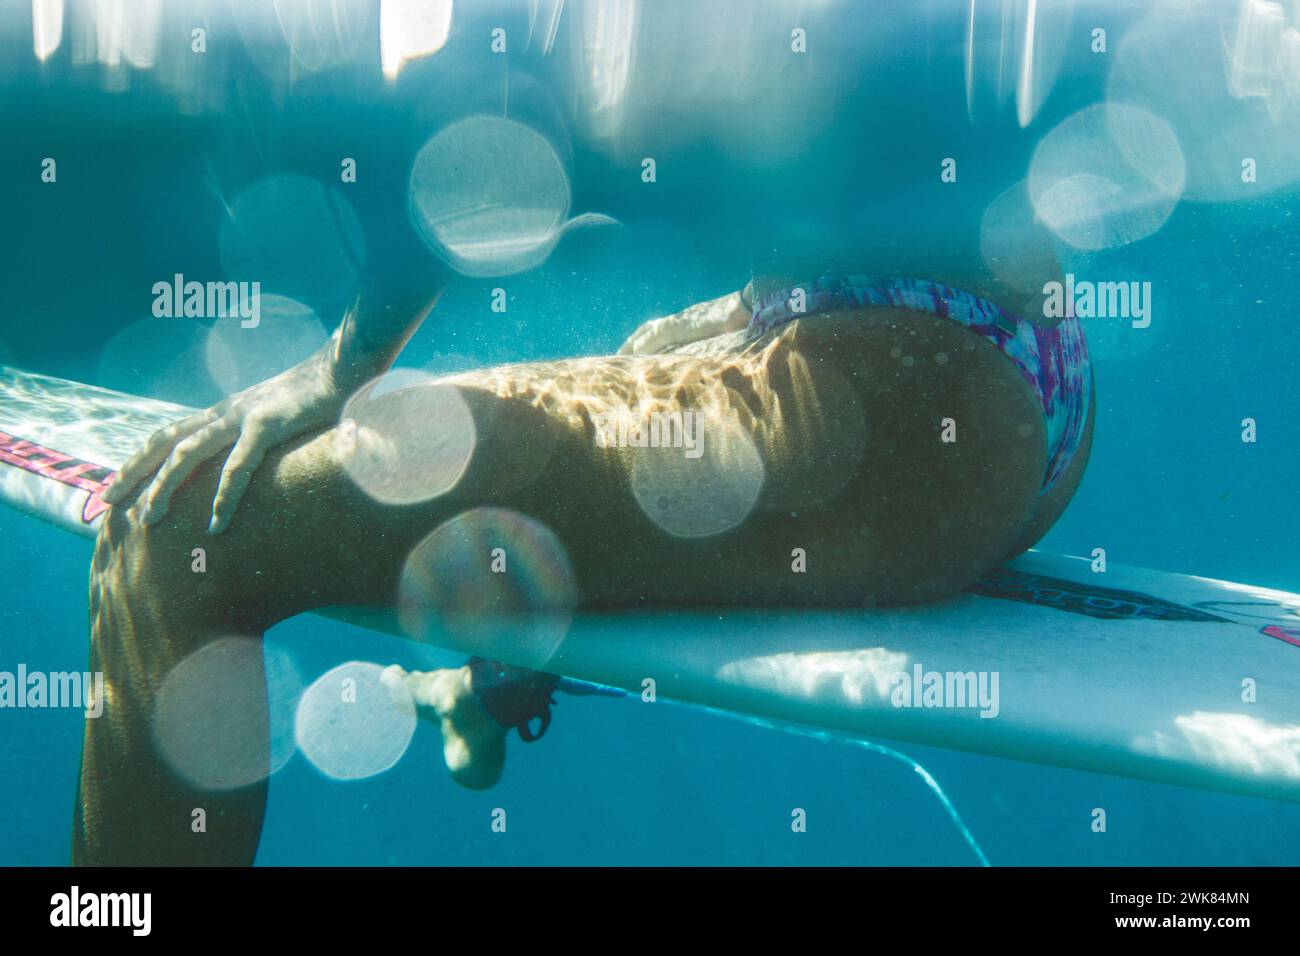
x=154, y=452
x=185, y=457
x=235, y=476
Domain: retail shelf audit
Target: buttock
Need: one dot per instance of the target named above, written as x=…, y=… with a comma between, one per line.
x=1053, y=359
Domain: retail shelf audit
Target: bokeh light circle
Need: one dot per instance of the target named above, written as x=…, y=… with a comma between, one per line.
x=1107, y=176
x=1015, y=245
x=696, y=497
x=352, y=724
x=492, y=582
x=286, y=333
x=403, y=438
x=490, y=195
x=218, y=708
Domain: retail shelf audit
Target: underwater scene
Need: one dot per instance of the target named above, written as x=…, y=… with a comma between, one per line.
x=650, y=432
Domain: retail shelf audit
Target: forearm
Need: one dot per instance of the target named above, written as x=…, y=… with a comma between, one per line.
x=399, y=287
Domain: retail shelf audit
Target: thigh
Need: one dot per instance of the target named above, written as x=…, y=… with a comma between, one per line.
x=868, y=457
x=900, y=454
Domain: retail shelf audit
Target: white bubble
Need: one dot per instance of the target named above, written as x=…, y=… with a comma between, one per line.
x=1108, y=175
x=489, y=195
x=491, y=582
x=287, y=333
x=405, y=439
x=695, y=497
x=163, y=358
x=351, y=724
x=294, y=236
x=218, y=709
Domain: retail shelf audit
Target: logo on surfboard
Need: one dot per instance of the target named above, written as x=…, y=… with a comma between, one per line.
x=66, y=469
x=1092, y=601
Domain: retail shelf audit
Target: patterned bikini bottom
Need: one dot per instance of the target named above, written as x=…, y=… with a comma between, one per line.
x=1053, y=360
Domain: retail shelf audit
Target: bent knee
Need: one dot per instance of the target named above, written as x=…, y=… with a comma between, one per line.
x=240, y=579
x=166, y=571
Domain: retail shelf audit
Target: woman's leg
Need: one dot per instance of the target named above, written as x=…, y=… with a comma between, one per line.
x=900, y=452
x=147, y=616
x=305, y=537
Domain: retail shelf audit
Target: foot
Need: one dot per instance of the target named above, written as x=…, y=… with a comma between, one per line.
x=701, y=321
x=473, y=743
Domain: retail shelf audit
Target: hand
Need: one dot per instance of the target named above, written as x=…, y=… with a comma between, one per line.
x=703, y=320
x=303, y=398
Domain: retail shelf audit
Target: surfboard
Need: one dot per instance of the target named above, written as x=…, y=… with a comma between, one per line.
x=1132, y=672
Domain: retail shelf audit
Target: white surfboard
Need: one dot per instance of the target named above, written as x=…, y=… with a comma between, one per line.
x=1138, y=673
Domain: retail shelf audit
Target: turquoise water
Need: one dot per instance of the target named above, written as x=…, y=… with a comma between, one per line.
x=769, y=163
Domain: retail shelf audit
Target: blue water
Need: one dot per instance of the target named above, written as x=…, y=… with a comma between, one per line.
x=751, y=179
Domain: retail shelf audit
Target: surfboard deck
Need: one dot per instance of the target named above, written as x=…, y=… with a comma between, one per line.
x=1132, y=672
